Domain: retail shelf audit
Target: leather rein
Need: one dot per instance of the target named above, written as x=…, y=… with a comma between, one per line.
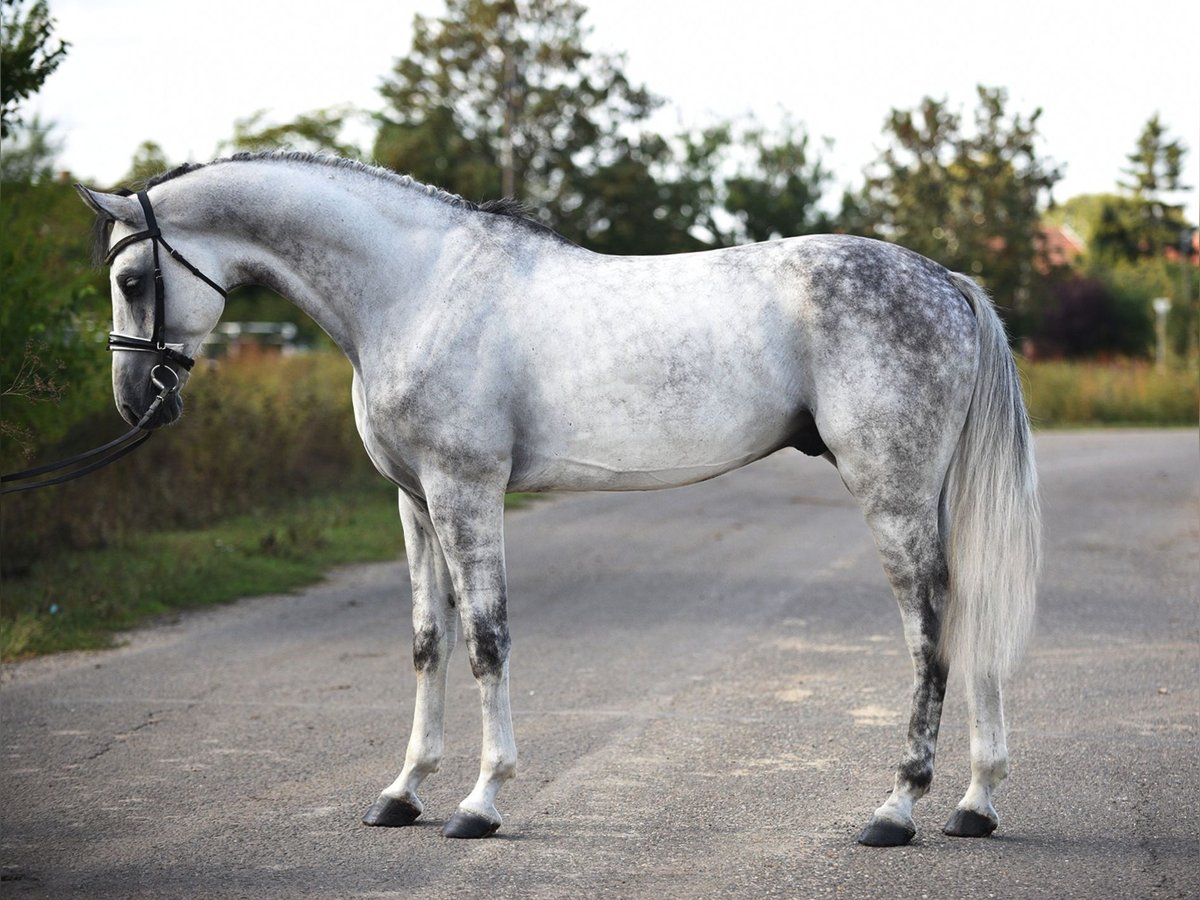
x=162, y=376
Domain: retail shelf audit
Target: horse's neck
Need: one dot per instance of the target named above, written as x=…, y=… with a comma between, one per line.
x=347, y=252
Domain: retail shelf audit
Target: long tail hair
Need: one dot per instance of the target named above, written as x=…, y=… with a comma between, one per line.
x=991, y=521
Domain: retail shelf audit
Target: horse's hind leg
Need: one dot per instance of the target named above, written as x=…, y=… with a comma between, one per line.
x=914, y=563
x=433, y=641
x=897, y=482
x=975, y=815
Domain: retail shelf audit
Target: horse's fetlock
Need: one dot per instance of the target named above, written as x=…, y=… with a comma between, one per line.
x=426, y=761
x=991, y=771
x=501, y=766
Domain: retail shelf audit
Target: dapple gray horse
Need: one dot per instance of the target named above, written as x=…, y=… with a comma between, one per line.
x=492, y=355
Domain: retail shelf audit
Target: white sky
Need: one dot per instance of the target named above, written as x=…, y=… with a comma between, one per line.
x=180, y=73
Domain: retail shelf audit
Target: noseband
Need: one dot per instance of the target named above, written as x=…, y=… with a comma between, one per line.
x=164, y=379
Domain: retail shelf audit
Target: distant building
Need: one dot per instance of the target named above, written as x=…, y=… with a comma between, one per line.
x=1060, y=248
x=232, y=340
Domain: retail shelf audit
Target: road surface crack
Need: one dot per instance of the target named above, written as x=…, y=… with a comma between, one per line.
x=151, y=719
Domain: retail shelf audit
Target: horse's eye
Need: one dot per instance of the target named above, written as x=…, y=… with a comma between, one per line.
x=129, y=284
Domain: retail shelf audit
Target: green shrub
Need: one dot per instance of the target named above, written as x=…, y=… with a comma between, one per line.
x=255, y=432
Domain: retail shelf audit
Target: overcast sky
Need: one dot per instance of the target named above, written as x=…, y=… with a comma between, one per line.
x=180, y=73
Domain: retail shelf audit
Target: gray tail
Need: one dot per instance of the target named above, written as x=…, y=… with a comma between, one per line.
x=992, y=520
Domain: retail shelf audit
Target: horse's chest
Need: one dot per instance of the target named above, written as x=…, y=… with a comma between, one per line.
x=413, y=431
x=383, y=439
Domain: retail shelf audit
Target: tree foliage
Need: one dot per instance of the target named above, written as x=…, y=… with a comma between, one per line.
x=319, y=130
x=1156, y=164
x=1143, y=224
x=969, y=199
x=777, y=192
x=149, y=159
x=29, y=53
x=51, y=356
x=503, y=98
x=52, y=359
x=29, y=152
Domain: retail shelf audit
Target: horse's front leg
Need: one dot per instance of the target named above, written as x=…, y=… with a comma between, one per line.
x=434, y=635
x=469, y=519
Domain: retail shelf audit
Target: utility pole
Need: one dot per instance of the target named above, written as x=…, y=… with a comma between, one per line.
x=1162, y=306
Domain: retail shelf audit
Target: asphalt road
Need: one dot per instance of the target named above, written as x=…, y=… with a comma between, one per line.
x=709, y=690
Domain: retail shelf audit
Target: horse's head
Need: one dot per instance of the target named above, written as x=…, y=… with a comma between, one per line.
x=164, y=304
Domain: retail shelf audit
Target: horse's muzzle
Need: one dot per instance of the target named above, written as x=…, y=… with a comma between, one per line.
x=168, y=411
x=150, y=395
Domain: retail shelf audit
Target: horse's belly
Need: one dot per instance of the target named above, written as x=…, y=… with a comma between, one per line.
x=626, y=457
x=582, y=474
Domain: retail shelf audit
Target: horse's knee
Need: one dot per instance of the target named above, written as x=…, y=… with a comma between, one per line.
x=488, y=642
x=430, y=647
x=423, y=760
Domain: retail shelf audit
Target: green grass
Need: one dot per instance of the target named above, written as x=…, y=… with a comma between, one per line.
x=78, y=599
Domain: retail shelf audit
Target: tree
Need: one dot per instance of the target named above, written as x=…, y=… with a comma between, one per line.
x=28, y=56
x=502, y=98
x=777, y=194
x=640, y=202
x=149, y=159
x=315, y=131
x=29, y=152
x=1156, y=165
x=1155, y=168
x=52, y=360
x=969, y=200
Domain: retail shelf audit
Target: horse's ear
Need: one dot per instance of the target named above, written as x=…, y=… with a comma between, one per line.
x=114, y=206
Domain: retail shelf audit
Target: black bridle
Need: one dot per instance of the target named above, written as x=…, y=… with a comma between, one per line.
x=156, y=342
x=162, y=376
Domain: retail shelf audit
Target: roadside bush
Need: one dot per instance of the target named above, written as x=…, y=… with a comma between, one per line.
x=255, y=432
x=1083, y=318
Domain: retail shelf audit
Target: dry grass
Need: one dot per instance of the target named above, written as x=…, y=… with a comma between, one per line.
x=1123, y=392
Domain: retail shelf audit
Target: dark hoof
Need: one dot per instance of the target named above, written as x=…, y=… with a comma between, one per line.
x=886, y=833
x=389, y=812
x=968, y=823
x=469, y=825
